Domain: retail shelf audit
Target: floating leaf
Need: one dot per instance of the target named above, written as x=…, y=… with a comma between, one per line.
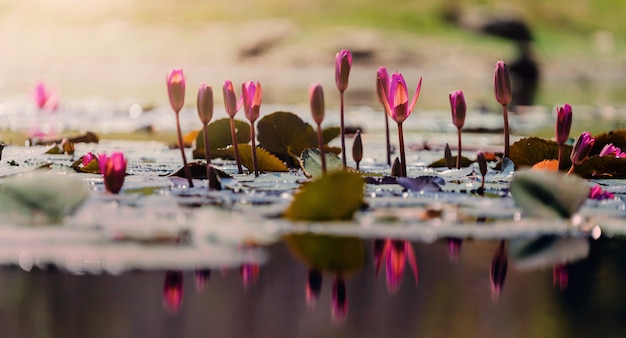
x=219, y=137
x=548, y=194
x=422, y=183
x=602, y=167
x=529, y=151
x=337, y=255
x=335, y=196
x=91, y=168
x=266, y=161
x=465, y=162
x=330, y=134
x=311, y=162
x=286, y=136
x=198, y=171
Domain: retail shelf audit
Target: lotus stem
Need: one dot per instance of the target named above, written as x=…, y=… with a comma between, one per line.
x=254, y=160
x=558, y=166
x=571, y=169
x=343, y=131
x=505, y=115
x=387, y=138
x=181, y=146
x=320, y=142
x=402, y=154
x=458, y=156
x=233, y=135
x=207, y=151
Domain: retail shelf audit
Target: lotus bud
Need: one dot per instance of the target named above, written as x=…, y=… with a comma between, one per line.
x=502, y=83
x=214, y=180
x=316, y=96
x=457, y=103
x=582, y=148
x=205, y=103
x=45, y=98
x=447, y=157
x=339, y=299
x=252, y=95
x=230, y=99
x=343, y=63
x=482, y=163
x=357, y=149
x=113, y=170
x=563, y=123
x=313, y=286
x=173, y=291
x=176, y=89
x=396, y=168
x=499, y=265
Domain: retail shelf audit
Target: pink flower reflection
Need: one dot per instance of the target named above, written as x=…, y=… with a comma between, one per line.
x=454, y=248
x=313, y=287
x=499, y=265
x=202, y=279
x=339, y=304
x=560, y=276
x=173, y=291
x=250, y=270
x=396, y=254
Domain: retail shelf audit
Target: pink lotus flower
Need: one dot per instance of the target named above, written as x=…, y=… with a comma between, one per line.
x=45, y=98
x=252, y=95
x=232, y=107
x=87, y=158
x=173, y=291
x=113, y=169
x=611, y=150
x=581, y=149
x=339, y=303
x=176, y=89
x=397, y=103
x=458, y=108
x=396, y=254
x=343, y=64
x=563, y=123
x=597, y=193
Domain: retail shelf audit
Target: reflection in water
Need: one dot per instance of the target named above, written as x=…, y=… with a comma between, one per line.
x=454, y=248
x=560, y=276
x=202, y=279
x=173, y=291
x=499, y=264
x=395, y=254
x=313, y=287
x=250, y=271
x=339, y=300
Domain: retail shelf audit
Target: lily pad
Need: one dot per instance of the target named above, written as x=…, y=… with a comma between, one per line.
x=266, y=161
x=285, y=135
x=440, y=163
x=602, y=167
x=617, y=137
x=548, y=194
x=330, y=134
x=337, y=255
x=335, y=196
x=311, y=162
x=529, y=151
x=219, y=137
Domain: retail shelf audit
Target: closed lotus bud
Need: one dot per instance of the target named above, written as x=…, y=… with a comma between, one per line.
x=396, y=168
x=313, y=286
x=205, y=103
x=343, y=63
x=230, y=99
x=482, y=163
x=339, y=299
x=214, y=180
x=382, y=84
x=499, y=265
x=502, y=83
x=113, y=170
x=176, y=89
x=582, y=148
x=563, y=123
x=316, y=96
x=447, y=157
x=357, y=149
x=252, y=95
x=173, y=291
x=457, y=104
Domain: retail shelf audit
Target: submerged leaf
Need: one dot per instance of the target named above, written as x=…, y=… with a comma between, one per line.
x=219, y=137
x=337, y=255
x=335, y=196
x=286, y=136
x=548, y=194
x=311, y=162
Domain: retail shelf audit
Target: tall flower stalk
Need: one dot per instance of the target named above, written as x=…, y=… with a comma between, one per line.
x=205, y=113
x=398, y=108
x=316, y=96
x=458, y=107
x=502, y=90
x=382, y=89
x=343, y=63
x=563, y=126
x=251, y=93
x=176, y=92
x=232, y=107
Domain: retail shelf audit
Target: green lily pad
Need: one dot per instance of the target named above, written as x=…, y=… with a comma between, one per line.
x=546, y=194
x=529, y=151
x=440, y=163
x=330, y=134
x=602, y=167
x=219, y=137
x=335, y=196
x=285, y=135
x=336, y=255
x=311, y=162
x=266, y=161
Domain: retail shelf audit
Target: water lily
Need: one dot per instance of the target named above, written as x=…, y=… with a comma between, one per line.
x=175, y=81
x=173, y=291
x=339, y=301
x=343, y=64
x=581, y=149
x=382, y=89
x=313, y=286
x=205, y=113
x=398, y=107
x=87, y=158
x=316, y=97
x=232, y=107
x=252, y=94
x=45, y=98
x=113, y=169
x=502, y=89
x=458, y=107
x=597, y=193
x=611, y=150
x=563, y=126
x=498, y=270
x=396, y=254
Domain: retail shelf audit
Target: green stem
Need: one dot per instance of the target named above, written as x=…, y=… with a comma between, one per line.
x=320, y=142
x=458, y=156
x=233, y=135
x=402, y=155
x=254, y=161
x=505, y=115
x=181, y=146
x=207, y=148
x=343, y=131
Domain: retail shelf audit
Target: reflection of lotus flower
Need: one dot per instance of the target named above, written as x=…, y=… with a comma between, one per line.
x=249, y=274
x=45, y=98
x=454, y=248
x=252, y=94
x=232, y=107
x=313, y=287
x=173, y=291
x=202, y=279
x=581, y=149
x=560, y=277
x=395, y=254
x=458, y=107
x=499, y=265
x=339, y=306
x=113, y=169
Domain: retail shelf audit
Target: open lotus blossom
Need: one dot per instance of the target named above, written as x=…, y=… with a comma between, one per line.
x=499, y=265
x=398, y=107
x=173, y=291
x=113, y=170
x=611, y=150
x=87, y=158
x=396, y=254
x=597, y=193
x=232, y=107
x=343, y=64
x=339, y=301
x=382, y=89
x=581, y=149
x=252, y=94
x=45, y=98
x=563, y=126
x=313, y=286
x=459, y=108
x=503, y=93
x=175, y=82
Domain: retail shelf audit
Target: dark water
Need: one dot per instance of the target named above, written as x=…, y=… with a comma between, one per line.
x=452, y=297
